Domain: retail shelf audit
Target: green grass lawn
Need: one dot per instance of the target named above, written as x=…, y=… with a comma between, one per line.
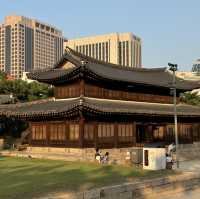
x=23, y=178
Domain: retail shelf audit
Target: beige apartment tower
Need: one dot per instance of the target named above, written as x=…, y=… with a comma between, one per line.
x=27, y=44
x=117, y=48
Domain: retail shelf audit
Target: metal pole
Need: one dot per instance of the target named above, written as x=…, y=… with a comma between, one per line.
x=175, y=118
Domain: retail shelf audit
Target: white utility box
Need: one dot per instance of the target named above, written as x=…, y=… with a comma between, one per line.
x=154, y=158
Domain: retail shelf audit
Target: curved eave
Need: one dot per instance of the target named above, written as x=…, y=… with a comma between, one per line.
x=50, y=77
x=48, y=115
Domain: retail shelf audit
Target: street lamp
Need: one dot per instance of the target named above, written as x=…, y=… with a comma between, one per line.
x=174, y=68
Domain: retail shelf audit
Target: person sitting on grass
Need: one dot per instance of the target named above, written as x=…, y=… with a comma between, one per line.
x=169, y=162
x=105, y=158
x=98, y=155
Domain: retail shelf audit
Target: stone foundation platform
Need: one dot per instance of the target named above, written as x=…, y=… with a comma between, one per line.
x=189, y=151
x=116, y=156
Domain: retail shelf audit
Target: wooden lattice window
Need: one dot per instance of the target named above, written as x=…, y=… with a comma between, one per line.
x=57, y=132
x=158, y=133
x=39, y=132
x=125, y=131
x=89, y=132
x=105, y=130
x=185, y=134
x=74, y=132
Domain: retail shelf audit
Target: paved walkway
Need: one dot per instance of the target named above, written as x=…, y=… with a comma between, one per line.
x=191, y=165
x=193, y=194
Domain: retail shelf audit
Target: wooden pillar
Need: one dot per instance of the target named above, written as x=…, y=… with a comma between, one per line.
x=192, y=133
x=81, y=132
x=96, y=135
x=149, y=133
x=134, y=133
x=30, y=134
x=165, y=134
x=115, y=135
x=179, y=129
x=66, y=133
x=48, y=134
x=150, y=130
x=82, y=88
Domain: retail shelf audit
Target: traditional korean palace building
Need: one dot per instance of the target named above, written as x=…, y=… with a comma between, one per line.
x=104, y=105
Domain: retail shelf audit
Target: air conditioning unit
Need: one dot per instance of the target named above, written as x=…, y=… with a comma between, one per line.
x=154, y=158
x=136, y=155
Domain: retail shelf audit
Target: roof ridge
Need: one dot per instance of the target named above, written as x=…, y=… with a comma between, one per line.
x=93, y=60
x=125, y=101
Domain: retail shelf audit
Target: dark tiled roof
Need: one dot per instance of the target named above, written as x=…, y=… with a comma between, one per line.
x=141, y=107
x=42, y=108
x=159, y=77
x=54, y=75
x=67, y=107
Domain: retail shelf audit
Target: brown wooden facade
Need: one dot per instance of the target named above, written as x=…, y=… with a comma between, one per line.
x=89, y=90
x=105, y=106
x=108, y=134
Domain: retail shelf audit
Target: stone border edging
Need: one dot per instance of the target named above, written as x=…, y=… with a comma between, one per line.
x=141, y=190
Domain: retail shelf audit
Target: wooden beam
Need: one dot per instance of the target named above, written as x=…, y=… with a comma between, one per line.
x=30, y=135
x=48, y=134
x=134, y=133
x=82, y=87
x=115, y=135
x=66, y=133
x=95, y=135
x=81, y=132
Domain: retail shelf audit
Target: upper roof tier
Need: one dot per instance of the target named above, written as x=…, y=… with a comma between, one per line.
x=74, y=65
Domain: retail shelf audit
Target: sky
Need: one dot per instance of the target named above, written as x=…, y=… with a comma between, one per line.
x=169, y=29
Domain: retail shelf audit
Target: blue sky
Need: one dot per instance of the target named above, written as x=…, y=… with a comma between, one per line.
x=169, y=29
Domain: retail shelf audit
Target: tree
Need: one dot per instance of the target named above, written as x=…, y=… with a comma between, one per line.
x=24, y=91
x=2, y=75
x=190, y=98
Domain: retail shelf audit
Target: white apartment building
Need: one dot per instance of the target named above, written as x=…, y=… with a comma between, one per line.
x=28, y=44
x=117, y=48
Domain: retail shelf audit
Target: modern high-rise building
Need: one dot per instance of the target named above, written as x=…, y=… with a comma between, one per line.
x=28, y=44
x=117, y=48
x=196, y=66
x=193, y=75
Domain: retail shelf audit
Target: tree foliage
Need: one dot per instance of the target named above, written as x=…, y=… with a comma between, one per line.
x=24, y=91
x=190, y=98
x=2, y=75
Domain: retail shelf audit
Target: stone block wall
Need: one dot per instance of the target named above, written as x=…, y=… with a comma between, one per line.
x=117, y=156
x=189, y=151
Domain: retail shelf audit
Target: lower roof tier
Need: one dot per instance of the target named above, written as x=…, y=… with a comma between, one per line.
x=66, y=108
